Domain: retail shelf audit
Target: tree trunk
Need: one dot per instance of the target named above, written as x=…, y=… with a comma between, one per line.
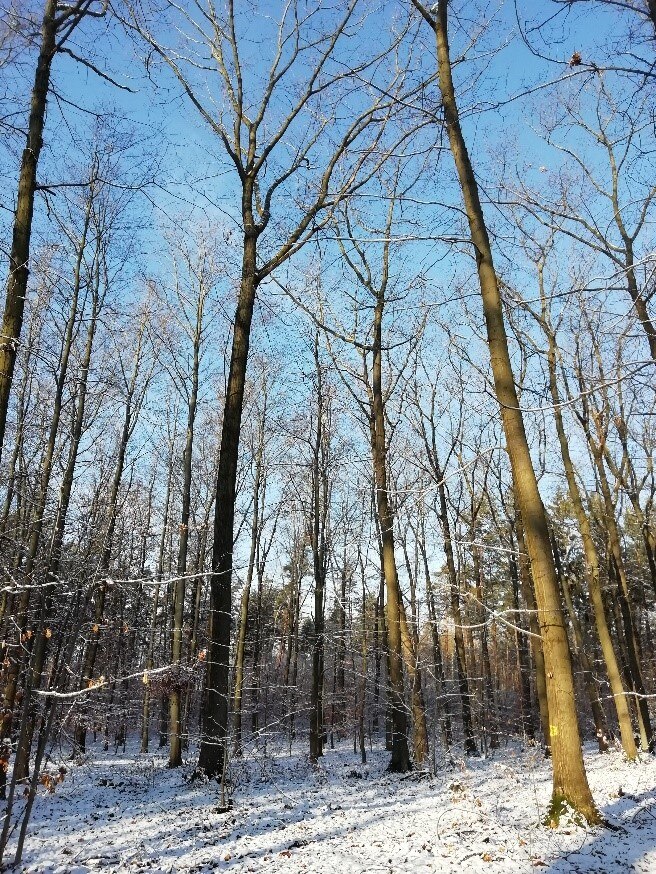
x=215, y=716
x=490, y=717
x=256, y=527
x=19, y=258
x=320, y=496
x=589, y=549
x=570, y=783
x=400, y=761
x=598, y=715
x=179, y=587
x=438, y=666
x=523, y=661
x=459, y=639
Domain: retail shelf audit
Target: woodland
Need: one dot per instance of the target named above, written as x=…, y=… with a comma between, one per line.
x=327, y=434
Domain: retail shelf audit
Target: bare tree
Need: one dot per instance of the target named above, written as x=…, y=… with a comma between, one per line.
x=275, y=155
x=570, y=784
x=59, y=22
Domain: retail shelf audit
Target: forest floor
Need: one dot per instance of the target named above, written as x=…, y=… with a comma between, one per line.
x=130, y=813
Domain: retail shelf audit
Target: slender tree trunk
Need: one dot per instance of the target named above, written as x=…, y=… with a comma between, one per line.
x=624, y=597
x=400, y=760
x=19, y=258
x=598, y=715
x=293, y=680
x=570, y=782
x=536, y=640
x=340, y=651
x=410, y=637
x=523, y=660
x=257, y=643
x=459, y=639
x=589, y=550
x=363, y=675
x=488, y=689
x=318, y=542
x=438, y=666
x=245, y=598
x=179, y=587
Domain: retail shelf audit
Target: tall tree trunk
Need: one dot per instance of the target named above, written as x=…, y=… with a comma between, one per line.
x=459, y=639
x=320, y=496
x=19, y=258
x=488, y=689
x=150, y=652
x=215, y=716
x=400, y=760
x=570, y=783
x=536, y=640
x=624, y=598
x=179, y=587
x=410, y=639
x=589, y=549
x=442, y=698
x=363, y=675
x=257, y=644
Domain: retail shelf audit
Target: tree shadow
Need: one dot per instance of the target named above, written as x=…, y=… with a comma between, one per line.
x=629, y=845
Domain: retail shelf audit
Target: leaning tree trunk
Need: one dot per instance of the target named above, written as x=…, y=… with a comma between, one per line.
x=570, y=783
x=624, y=598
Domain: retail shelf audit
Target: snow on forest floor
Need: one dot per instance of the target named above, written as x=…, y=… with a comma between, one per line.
x=131, y=813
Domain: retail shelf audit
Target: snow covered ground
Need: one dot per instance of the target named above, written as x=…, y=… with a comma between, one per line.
x=130, y=813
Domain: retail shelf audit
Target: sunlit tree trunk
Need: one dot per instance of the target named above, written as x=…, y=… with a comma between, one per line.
x=570, y=783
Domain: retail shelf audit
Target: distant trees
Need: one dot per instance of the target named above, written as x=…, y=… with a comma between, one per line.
x=350, y=439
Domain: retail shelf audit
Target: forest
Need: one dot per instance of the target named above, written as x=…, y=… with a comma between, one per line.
x=327, y=434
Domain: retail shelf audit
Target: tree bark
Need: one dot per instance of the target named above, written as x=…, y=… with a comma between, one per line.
x=570, y=783
x=19, y=258
x=400, y=760
x=215, y=717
